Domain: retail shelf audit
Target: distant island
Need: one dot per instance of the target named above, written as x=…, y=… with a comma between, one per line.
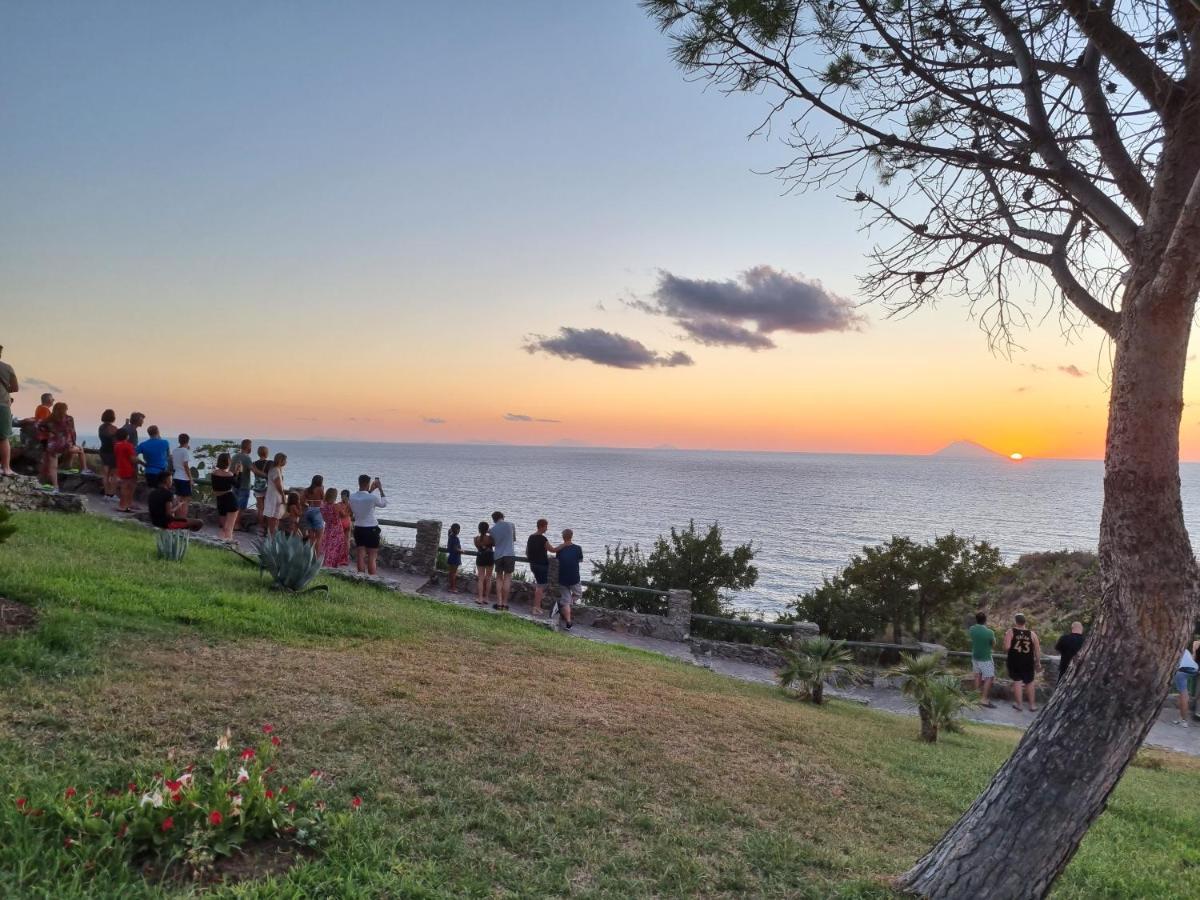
x=968, y=450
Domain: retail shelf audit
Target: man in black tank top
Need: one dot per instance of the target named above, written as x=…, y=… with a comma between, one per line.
x=1024, y=661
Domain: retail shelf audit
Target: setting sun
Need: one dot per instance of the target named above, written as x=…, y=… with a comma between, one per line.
x=1016, y=457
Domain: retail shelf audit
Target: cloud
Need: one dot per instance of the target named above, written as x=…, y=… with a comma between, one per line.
x=521, y=417
x=433, y=420
x=1072, y=370
x=38, y=385
x=604, y=348
x=717, y=313
x=1022, y=389
x=1034, y=367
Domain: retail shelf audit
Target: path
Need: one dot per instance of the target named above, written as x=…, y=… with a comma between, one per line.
x=1163, y=735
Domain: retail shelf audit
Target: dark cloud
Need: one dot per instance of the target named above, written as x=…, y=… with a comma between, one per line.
x=718, y=312
x=38, y=385
x=433, y=420
x=604, y=348
x=521, y=417
x=1072, y=370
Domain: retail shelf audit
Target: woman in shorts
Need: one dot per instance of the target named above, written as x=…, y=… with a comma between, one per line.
x=485, y=561
x=223, y=483
x=312, y=522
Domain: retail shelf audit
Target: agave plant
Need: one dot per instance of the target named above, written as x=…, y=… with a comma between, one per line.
x=172, y=545
x=939, y=695
x=816, y=661
x=291, y=562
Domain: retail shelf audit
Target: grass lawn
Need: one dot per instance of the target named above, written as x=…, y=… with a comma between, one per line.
x=494, y=758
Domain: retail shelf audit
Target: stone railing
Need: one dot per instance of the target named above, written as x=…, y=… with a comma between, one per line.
x=21, y=492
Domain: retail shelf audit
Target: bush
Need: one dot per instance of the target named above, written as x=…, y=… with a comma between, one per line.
x=939, y=695
x=7, y=527
x=195, y=814
x=816, y=661
x=291, y=561
x=687, y=559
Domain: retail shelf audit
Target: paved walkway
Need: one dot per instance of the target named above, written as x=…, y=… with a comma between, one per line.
x=1163, y=735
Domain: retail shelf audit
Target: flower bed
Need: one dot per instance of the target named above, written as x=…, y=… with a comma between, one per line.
x=189, y=821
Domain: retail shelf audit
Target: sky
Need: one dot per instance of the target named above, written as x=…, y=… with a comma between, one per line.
x=477, y=221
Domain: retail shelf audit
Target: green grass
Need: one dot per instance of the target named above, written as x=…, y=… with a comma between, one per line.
x=495, y=758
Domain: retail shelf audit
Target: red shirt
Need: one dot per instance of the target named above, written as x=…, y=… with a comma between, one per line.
x=125, y=454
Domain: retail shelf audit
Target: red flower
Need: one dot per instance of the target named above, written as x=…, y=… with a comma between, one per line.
x=248, y=753
x=71, y=792
x=173, y=786
x=67, y=842
x=275, y=740
x=356, y=803
x=283, y=790
x=168, y=823
x=268, y=728
x=176, y=797
x=22, y=802
x=189, y=768
x=291, y=807
x=215, y=818
x=269, y=794
x=132, y=788
x=316, y=774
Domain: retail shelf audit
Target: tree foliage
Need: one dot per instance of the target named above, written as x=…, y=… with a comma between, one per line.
x=939, y=694
x=815, y=662
x=687, y=558
x=902, y=586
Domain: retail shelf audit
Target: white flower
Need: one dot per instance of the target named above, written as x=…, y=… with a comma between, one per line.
x=243, y=775
x=223, y=740
x=237, y=800
x=185, y=778
x=156, y=799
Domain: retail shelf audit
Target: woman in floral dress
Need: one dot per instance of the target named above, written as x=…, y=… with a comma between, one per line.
x=337, y=551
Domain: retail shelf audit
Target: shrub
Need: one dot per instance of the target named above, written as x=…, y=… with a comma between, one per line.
x=938, y=694
x=194, y=815
x=172, y=545
x=7, y=527
x=816, y=661
x=291, y=561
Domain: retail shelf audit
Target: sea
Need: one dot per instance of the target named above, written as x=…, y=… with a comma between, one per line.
x=805, y=513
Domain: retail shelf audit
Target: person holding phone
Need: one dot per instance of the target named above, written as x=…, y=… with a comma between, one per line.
x=363, y=503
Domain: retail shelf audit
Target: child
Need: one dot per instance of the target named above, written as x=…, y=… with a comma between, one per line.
x=124, y=455
x=453, y=557
x=570, y=555
x=347, y=519
x=292, y=514
x=260, y=467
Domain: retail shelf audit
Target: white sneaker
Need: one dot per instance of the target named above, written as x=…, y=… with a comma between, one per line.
x=1181, y=723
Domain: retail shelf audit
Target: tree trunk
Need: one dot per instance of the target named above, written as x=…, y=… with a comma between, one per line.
x=929, y=731
x=818, y=693
x=1021, y=832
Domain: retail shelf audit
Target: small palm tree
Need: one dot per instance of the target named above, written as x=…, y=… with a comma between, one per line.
x=816, y=661
x=938, y=694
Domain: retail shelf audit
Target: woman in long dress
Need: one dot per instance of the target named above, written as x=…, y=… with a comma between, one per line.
x=337, y=551
x=276, y=492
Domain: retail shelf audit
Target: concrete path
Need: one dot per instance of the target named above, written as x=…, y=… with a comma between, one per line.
x=1163, y=735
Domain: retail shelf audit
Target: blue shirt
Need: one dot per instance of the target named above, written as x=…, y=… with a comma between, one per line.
x=504, y=536
x=569, y=559
x=453, y=546
x=155, y=451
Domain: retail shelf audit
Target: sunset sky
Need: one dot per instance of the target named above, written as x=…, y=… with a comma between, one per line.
x=355, y=221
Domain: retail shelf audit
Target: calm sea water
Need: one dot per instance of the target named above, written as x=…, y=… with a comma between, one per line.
x=806, y=513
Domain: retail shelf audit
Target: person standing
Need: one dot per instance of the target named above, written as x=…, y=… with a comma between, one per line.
x=313, y=497
x=335, y=546
x=125, y=455
x=485, y=562
x=181, y=467
x=276, y=494
x=346, y=517
x=363, y=503
x=1024, y=661
x=258, y=487
x=155, y=452
x=8, y=387
x=131, y=426
x=570, y=557
x=223, y=485
x=1187, y=670
x=983, y=642
x=108, y=461
x=537, y=551
x=453, y=556
x=242, y=473
x=504, y=540
x=1067, y=646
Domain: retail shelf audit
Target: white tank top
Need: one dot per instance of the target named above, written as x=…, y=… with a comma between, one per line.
x=1187, y=661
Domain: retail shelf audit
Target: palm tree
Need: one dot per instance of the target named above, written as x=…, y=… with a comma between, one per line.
x=938, y=694
x=816, y=661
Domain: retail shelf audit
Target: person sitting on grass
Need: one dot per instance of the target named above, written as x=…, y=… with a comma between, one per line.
x=453, y=557
x=164, y=509
x=570, y=556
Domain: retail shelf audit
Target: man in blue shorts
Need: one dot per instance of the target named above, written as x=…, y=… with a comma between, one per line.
x=537, y=551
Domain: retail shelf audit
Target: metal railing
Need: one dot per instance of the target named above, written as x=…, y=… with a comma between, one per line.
x=633, y=588
x=777, y=627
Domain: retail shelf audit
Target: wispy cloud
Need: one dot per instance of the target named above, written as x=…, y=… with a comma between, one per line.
x=718, y=313
x=38, y=384
x=521, y=417
x=1072, y=370
x=1022, y=389
x=604, y=348
x=433, y=420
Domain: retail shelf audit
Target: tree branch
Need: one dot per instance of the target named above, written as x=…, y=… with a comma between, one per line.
x=1129, y=178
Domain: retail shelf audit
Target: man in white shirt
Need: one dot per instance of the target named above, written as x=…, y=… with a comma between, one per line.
x=504, y=538
x=181, y=465
x=363, y=503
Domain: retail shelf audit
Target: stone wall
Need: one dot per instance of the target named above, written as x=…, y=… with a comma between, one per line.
x=22, y=493
x=756, y=654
